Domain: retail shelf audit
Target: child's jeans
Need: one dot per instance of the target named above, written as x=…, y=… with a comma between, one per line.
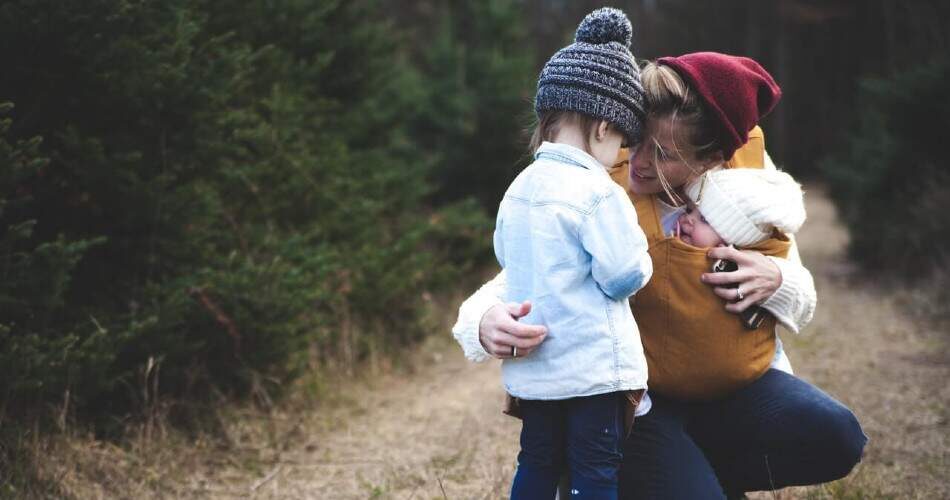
x=584, y=433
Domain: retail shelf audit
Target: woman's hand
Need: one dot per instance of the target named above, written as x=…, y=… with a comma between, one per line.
x=758, y=278
x=500, y=330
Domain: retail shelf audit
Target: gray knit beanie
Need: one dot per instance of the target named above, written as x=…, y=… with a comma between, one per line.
x=596, y=75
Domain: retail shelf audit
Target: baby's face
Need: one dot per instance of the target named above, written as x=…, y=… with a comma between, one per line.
x=692, y=228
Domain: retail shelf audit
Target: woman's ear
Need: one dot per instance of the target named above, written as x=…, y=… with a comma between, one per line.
x=708, y=162
x=714, y=160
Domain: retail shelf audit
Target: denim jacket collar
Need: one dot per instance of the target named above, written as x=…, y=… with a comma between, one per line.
x=566, y=153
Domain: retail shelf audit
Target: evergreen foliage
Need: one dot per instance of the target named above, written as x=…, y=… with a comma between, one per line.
x=232, y=191
x=479, y=98
x=891, y=183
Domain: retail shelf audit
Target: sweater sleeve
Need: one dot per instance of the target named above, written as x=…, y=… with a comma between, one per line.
x=793, y=304
x=470, y=315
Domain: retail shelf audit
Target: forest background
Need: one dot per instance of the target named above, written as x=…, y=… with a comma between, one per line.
x=207, y=201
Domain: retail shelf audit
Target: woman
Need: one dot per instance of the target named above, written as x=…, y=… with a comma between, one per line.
x=777, y=431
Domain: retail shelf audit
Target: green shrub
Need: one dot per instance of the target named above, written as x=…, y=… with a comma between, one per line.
x=188, y=187
x=480, y=80
x=892, y=183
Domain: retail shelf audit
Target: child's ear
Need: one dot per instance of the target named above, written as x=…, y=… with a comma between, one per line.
x=602, y=128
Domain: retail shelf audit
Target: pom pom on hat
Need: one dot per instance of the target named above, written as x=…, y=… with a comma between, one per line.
x=605, y=25
x=744, y=205
x=737, y=90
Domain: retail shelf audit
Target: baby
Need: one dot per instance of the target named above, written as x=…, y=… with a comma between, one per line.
x=708, y=352
x=741, y=207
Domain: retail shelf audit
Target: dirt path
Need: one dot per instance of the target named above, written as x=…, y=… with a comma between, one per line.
x=439, y=433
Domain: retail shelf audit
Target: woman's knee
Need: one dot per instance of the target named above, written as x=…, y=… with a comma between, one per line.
x=812, y=416
x=840, y=438
x=847, y=440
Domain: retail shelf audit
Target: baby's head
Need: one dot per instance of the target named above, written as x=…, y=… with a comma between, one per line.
x=741, y=207
x=592, y=82
x=692, y=228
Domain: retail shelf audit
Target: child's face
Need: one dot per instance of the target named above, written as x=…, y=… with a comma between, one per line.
x=693, y=229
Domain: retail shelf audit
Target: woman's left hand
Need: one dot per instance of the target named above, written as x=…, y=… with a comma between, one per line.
x=758, y=278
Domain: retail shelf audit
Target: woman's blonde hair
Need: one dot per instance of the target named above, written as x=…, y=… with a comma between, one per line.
x=668, y=96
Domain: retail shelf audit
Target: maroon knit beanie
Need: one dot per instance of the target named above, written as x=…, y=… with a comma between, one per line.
x=736, y=89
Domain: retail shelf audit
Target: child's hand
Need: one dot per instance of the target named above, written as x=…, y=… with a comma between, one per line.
x=500, y=331
x=757, y=278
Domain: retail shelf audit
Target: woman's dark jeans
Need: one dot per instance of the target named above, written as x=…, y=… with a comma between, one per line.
x=779, y=431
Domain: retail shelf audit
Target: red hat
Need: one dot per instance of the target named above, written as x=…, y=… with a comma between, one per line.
x=736, y=89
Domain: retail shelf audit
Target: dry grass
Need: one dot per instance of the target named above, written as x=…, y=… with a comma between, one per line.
x=394, y=436
x=434, y=429
x=409, y=429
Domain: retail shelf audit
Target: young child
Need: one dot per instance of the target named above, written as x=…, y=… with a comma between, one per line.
x=569, y=242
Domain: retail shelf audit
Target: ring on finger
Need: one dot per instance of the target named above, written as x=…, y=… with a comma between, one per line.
x=739, y=294
x=514, y=352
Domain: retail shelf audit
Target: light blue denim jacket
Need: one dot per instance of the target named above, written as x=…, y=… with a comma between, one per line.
x=568, y=239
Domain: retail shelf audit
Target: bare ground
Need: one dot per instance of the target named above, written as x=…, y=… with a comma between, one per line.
x=438, y=432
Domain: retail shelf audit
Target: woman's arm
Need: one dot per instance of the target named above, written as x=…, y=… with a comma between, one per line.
x=793, y=304
x=487, y=327
x=782, y=286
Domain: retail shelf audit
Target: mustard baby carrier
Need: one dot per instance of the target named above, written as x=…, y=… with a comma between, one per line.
x=695, y=349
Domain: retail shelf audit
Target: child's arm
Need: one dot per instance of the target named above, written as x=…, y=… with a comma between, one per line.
x=498, y=240
x=617, y=245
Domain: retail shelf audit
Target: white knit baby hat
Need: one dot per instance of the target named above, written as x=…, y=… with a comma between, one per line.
x=743, y=205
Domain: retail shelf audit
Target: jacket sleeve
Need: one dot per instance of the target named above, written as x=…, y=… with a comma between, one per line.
x=497, y=240
x=617, y=245
x=470, y=315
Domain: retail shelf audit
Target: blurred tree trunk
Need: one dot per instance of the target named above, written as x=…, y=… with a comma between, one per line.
x=779, y=134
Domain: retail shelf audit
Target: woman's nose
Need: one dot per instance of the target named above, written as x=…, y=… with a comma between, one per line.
x=638, y=157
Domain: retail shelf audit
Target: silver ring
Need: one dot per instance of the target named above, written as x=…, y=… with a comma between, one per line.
x=739, y=294
x=514, y=352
